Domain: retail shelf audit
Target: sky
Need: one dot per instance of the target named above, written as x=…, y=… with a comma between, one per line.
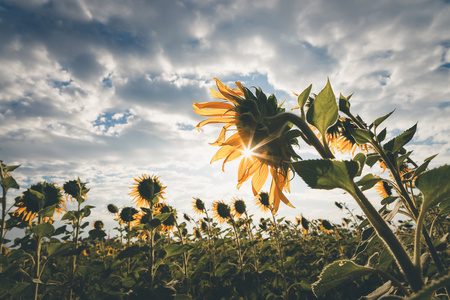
x=103, y=90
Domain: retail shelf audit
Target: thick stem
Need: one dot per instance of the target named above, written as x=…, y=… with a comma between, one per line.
x=379, y=224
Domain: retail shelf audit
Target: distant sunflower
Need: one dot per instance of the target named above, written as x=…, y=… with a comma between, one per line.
x=238, y=207
x=112, y=209
x=266, y=147
x=221, y=211
x=75, y=190
x=383, y=189
x=147, y=190
x=128, y=215
x=203, y=225
x=262, y=201
x=38, y=197
x=198, y=206
x=197, y=233
x=98, y=225
x=169, y=223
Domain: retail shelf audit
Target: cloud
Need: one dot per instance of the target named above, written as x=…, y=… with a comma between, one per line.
x=103, y=90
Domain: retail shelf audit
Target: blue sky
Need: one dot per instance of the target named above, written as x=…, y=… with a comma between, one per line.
x=103, y=90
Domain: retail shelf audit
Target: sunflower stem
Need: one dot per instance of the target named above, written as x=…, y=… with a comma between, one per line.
x=280, y=253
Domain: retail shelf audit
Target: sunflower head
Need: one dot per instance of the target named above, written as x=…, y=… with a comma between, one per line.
x=40, y=199
x=98, y=225
x=197, y=233
x=221, y=211
x=264, y=141
x=383, y=189
x=128, y=215
x=238, y=207
x=112, y=209
x=147, y=191
x=169, y=223
x=203, y=226
x=262, y=201
x=198, y=205
x=75, y=190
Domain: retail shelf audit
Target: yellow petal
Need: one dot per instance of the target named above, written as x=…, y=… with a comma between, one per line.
x=223, y=152
x=259, y=178
x=213, y=105
x=214, y=112
x=231, y=120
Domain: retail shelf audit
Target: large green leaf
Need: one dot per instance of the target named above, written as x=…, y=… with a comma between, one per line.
x=434, y=186
x=378, y=121
x=44, y=229
x=399, y=141
x=174, y=249
x=8, y=183
x=323, y=111
x=129, y=252
x=328, y=174
x=336, y=273
x=368, y=181
x=361, y=136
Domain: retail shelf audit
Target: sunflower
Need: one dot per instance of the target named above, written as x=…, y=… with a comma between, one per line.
x=238, y=207
x=197, y=233
x=221, y=211
x=147, y=191
x=383, y=189
x=75, y=190
x=38, y=197
x=339, y=137
x=169, y=223
x=265, y=145
x=203, y=225
x=98, y=225
x=128, y=215
x=262, y=201
x=198, y=205
x=112, y=209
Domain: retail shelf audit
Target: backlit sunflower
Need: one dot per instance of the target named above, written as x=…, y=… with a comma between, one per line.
x=38, y=197
x=262, y=201
x=147, y=191
x=238, y=207
x=265, y=145
x=383, y=189
x=221, y=211
x=198, y=206
x=339, y=137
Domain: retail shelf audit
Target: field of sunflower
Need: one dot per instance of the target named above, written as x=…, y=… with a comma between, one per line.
x=228, y=254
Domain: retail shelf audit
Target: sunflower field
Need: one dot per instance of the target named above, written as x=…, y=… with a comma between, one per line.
x=222, y=252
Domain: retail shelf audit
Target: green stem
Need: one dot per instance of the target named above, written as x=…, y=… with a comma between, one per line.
x=420, y=221
x=280, y=253
x=414, y=278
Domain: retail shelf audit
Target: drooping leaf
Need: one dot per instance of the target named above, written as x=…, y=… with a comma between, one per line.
x=327, y=174
x=323, y=111
x=372, y=158
x=382, y=135
x=336, y=273
x=175, y=249
x=399, y=141
x=48, y=211
x=435, y=187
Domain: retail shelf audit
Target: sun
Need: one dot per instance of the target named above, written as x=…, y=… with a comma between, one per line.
x=247, y=152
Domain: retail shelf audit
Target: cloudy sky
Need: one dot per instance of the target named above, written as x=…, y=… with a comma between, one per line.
x=103, y=89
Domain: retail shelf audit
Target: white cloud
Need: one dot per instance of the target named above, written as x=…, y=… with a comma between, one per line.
x=103, y=90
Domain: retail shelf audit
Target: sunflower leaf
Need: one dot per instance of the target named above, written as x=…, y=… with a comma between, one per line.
x=48, y=211
x=361, y=159
x=399, y=141
x=378, y=121
x=323, y=112
x=423, y=166
x=368, y=181
x=336, y=273
x=304, y=96
x=174, y=249
x=344, y=104
x=44, y=229
x=9, y=183
x=361, y=136
x=327, y=174
x=434, y=186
